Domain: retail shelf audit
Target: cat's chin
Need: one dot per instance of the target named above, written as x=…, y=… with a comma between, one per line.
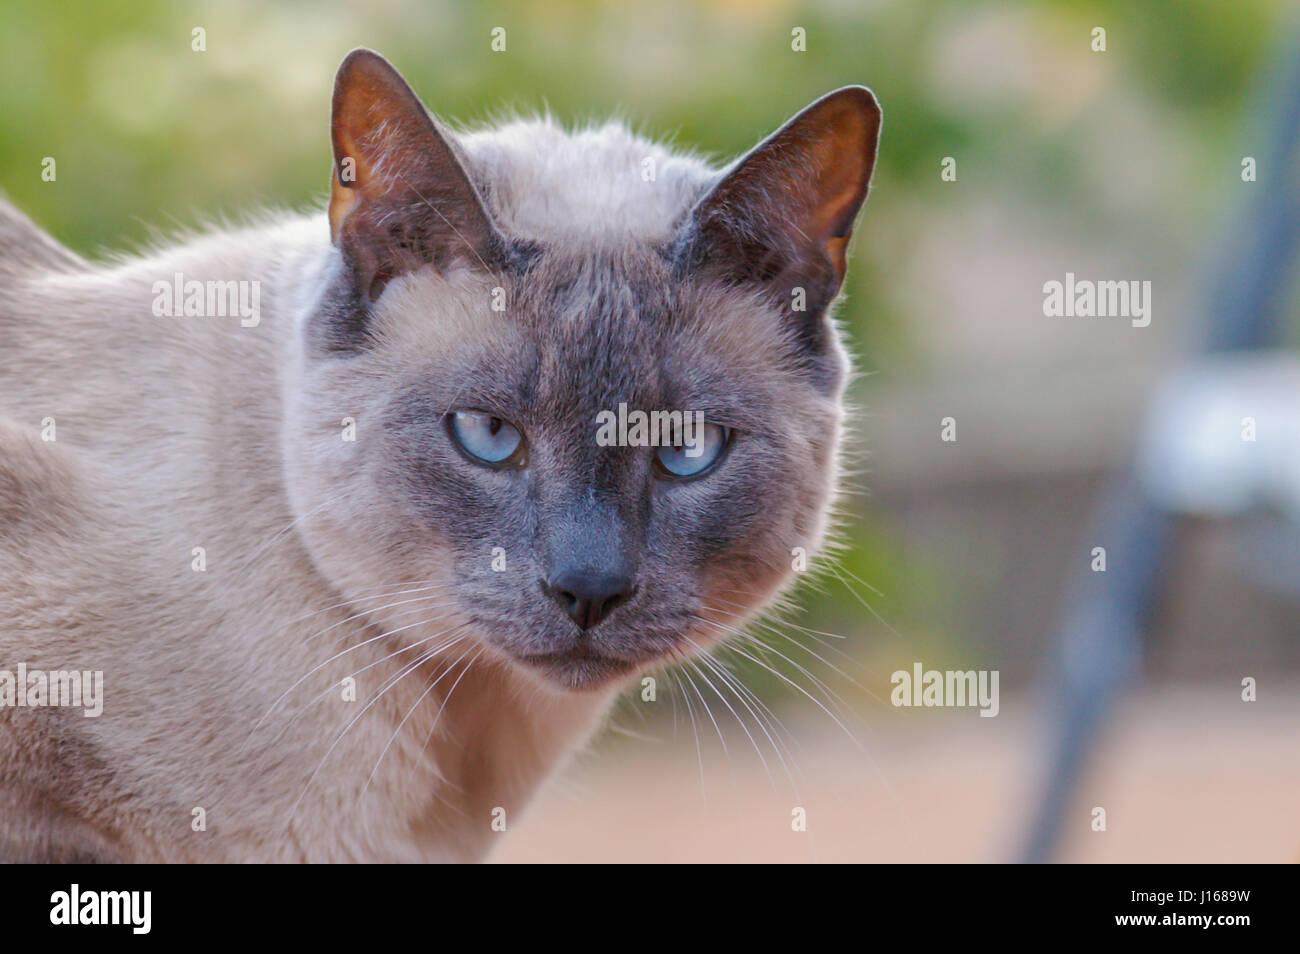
x=578, y=670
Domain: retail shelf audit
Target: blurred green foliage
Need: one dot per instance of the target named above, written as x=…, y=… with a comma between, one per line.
x=150, y=134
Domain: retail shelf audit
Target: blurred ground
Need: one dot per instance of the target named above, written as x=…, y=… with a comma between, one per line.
x=1189, y=773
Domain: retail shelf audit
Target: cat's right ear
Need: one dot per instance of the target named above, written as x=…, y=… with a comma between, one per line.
x=399, y=197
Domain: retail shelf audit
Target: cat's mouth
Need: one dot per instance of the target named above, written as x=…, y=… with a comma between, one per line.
x=580, y=667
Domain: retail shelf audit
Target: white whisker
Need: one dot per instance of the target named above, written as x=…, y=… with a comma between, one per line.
x=379, y=694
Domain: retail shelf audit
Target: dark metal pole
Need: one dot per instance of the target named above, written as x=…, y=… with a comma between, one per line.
x=1099, y=644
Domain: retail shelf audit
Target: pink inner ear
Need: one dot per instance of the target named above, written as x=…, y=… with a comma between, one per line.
x=410, y=202
x=836, y=140
x=374, y=112
x=797, y=193
x=342, y=202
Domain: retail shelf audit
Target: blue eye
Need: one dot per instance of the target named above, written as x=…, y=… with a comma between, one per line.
x=484, y=437
x=693, y=459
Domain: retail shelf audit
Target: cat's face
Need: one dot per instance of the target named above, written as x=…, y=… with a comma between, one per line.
x=485, y=369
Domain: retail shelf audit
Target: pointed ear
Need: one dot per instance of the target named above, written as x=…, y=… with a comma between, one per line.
x=399, y=198
x=781, y=217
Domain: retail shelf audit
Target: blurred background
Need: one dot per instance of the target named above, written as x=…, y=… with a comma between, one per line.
x=1124, y=164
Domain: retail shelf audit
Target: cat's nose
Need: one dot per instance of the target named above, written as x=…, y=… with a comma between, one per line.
x=589, y=597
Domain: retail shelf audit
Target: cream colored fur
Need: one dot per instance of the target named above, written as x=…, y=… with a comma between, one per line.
x=168, y=437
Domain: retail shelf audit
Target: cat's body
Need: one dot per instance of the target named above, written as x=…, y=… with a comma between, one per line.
x=319, y=549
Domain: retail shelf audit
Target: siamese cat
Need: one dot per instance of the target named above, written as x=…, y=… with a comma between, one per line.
x=320, y=502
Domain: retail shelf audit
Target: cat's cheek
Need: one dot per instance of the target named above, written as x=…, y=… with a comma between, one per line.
x=750, y=549
x=742, y=588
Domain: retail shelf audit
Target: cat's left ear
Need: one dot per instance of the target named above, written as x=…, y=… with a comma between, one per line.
x=782, y=216
x=399, y=196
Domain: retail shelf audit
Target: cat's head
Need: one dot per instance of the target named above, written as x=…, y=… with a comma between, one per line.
x=502, y=308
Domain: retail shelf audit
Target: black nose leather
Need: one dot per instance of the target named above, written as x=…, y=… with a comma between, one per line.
x=589, y=597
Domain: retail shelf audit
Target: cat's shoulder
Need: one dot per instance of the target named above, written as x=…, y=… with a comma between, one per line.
x=42, y=486
x=26, y=248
